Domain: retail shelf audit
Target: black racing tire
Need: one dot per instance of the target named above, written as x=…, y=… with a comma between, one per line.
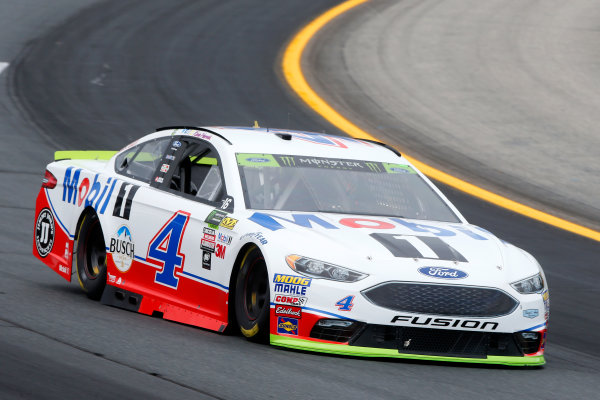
x=252, y=297
x=90, y=258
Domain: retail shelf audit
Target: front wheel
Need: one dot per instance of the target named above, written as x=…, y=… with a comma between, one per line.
x=252, y=299
x=90, y=258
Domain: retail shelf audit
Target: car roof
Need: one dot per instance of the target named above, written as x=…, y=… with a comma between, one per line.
x=285, y=141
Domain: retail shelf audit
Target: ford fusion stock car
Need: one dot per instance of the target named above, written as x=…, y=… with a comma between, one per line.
x=302, y=240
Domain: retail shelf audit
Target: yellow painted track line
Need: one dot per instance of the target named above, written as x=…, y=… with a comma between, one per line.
x=294, y=76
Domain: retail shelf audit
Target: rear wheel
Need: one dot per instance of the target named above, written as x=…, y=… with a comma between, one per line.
x=90, y=258
x=252, y=299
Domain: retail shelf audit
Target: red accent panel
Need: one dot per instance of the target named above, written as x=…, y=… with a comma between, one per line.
x=305, y=325
x=193, y=303
x=61, y=256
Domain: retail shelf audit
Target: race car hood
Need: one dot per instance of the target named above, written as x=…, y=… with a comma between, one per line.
x=394, y=248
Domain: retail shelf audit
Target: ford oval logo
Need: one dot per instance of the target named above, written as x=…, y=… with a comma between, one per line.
x=256, y=159
x=399, y=170
x=443, y=273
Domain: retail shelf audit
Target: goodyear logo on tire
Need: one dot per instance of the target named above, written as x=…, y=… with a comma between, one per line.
x=287, y=326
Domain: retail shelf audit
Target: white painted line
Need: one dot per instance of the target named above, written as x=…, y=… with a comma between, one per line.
x=3, y=66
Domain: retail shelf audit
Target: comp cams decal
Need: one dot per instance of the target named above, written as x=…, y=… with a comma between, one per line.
x=122, y=249
x=44, y=232
x=291, y=300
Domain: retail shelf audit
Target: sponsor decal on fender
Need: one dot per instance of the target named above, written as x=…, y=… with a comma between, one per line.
x=290, y=284
x=228, y=222
x=220, y=250
x=215, y=217
x=206, y=259
x=257, y=235
x=75, y=192
x=122, y=248
x=223, y=238
x=207, y=245
x=291, y=300
x=289, y=311
x=287, y=326
x=44, y=232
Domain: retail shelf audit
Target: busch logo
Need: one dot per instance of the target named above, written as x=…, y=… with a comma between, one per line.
x=122, y=249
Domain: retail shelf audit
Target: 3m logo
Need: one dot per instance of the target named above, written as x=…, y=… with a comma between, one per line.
x=220, y=251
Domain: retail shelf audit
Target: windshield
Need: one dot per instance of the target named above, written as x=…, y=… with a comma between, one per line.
x=316, y=184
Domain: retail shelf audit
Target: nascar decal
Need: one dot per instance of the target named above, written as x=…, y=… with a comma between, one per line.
x=164, y=249
x=287, y=326
x=275, y=222
x=288, y=311
x=84, y=192
x=122, y=249
x=124, y=200
x=44, y=232
x=290, y=284
x=291, y=300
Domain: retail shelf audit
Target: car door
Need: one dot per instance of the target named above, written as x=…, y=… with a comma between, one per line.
x=181, y=256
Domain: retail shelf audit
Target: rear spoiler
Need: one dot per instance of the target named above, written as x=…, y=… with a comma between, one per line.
x=83, y=155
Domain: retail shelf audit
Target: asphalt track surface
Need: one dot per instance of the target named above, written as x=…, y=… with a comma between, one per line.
x=118, y=70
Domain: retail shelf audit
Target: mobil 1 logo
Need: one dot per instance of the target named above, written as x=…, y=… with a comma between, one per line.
x=44, y=232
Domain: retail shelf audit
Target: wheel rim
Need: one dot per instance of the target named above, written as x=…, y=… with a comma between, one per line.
x=95, y=251
x=255, y=289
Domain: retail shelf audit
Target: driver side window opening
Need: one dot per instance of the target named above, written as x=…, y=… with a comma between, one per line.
x=198, y=175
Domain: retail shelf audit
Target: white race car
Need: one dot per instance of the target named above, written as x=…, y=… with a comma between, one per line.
x=304, y=240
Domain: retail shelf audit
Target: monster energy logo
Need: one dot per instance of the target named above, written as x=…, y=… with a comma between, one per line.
x=374, y=167
x=287, y=161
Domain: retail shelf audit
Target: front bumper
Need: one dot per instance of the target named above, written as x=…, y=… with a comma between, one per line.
x=345, y=349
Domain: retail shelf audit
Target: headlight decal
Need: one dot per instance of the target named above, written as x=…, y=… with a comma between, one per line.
x=530, y=285
x=321, y=270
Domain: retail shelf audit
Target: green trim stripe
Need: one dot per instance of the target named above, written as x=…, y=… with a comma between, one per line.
x=83, y=155
x=302, y=344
